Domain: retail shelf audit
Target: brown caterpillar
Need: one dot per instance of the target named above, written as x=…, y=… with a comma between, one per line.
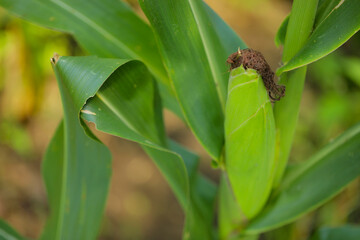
x=250, y=58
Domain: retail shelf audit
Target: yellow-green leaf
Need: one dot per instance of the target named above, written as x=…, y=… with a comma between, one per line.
x=249, y=140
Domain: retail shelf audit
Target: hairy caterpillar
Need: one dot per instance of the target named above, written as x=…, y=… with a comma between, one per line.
x=253, y=59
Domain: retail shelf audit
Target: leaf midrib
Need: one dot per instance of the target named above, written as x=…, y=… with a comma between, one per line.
x=117, y=113
x=207, y=52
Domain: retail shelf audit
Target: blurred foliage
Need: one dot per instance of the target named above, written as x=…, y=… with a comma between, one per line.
x=24, y=70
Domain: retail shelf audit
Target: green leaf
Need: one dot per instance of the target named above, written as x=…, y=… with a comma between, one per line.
x=200, y=213
x=8, y=233
x=325, y=7
x=52, y=171
x=194, y=55
x=76, y=168
x=128, y=105
x=313, y=183
x=250, y=140
x=332, y=32
x=347, y=232
x=229, y=39
x=281, y=33
x=299, y=28
x=105, y=29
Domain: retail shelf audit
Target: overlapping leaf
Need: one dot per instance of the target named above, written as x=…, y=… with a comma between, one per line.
x=324, y=9
x=281, y=33
x=315, y=182
x=194, y=56
x=342, y=23
x=111, y=29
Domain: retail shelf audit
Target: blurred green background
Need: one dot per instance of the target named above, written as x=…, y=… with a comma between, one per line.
x=140, y=204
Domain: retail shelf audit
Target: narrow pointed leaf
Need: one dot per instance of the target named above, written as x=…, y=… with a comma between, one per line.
x=315, y=182
x=8, y=233
x=281, y=33
x=250, y=140
x=194, y=55
x=342, y=23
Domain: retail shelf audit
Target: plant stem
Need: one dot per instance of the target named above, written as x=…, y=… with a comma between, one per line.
x=286, y=111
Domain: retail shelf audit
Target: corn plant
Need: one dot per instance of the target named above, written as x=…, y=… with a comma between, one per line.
x=178, y=61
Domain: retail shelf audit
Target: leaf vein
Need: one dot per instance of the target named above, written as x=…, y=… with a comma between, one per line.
x=252, y=116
